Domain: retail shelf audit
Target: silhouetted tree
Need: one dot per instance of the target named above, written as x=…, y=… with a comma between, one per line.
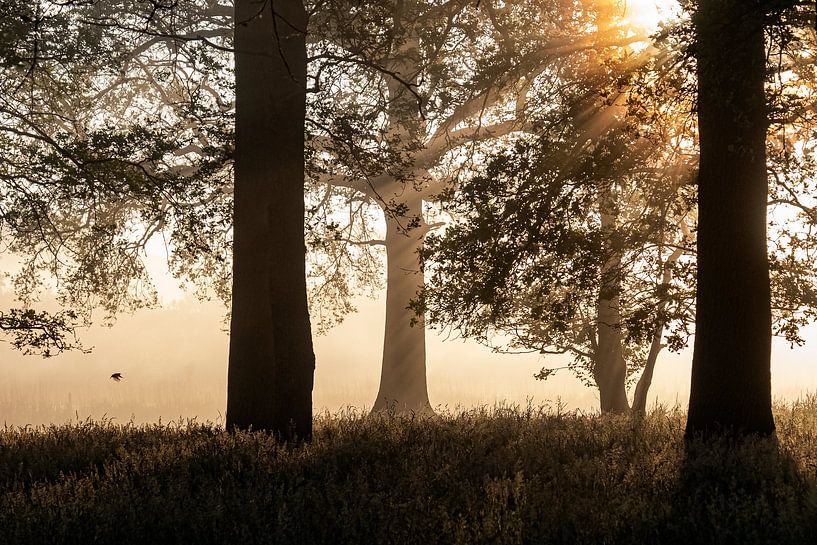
x=568, y=244
x=731, y=382
x=116, y=121
x=584, y=255
x=574, y=249
x=272, y=364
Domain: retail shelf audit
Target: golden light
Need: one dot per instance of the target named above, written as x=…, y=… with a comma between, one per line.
x=648, y=14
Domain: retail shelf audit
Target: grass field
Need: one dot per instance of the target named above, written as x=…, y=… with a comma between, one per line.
x=504, y=475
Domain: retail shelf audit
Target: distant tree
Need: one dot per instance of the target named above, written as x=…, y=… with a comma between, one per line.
x=577, y=242
x=271, y=359
x=406, y=113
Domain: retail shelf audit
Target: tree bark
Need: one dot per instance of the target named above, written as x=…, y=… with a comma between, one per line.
x=642, y=388
x=403, y=386
x=731, y=382
x=272, y=363
x=644, y=383
x=610, y=369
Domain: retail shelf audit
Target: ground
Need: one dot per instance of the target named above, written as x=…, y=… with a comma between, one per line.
x=502, y=475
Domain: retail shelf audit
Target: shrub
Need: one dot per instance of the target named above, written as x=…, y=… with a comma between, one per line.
x=502, y=475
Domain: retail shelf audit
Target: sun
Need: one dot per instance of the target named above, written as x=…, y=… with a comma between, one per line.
x=648, y=14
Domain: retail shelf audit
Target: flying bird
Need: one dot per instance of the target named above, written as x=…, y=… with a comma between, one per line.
x=117, y=377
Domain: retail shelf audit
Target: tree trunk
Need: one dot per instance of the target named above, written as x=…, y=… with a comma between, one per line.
x=644, y=383
x=731, y=382
x=610, y=369
x=271, y=359
x=403, y=386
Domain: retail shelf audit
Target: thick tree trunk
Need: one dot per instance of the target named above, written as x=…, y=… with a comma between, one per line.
x=403, y=386
x=731, y=383
x=271, y=359
x=610, y=369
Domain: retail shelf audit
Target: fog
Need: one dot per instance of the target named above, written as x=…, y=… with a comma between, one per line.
x=174, y=364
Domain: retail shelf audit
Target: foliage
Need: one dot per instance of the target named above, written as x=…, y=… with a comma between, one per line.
x=506, y=475
x=41, y=333
x=790, y=153
x=114, y=132
x=525, y=254
x=408, y=97
x=599, y=206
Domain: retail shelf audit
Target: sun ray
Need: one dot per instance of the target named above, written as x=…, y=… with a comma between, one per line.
x=648, y=14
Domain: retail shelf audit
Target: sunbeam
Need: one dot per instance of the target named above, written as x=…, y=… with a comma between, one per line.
x=648, y=14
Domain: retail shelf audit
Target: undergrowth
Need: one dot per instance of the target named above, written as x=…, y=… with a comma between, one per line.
x=502, y=475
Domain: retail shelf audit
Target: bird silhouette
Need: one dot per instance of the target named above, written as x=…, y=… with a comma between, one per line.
x=117, y=377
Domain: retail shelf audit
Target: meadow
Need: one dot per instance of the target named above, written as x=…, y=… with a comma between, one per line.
x=498, y=475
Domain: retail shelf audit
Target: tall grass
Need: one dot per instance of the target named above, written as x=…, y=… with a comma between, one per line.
x=501, y=475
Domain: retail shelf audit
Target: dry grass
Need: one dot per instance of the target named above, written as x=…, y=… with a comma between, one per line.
x=504, y=475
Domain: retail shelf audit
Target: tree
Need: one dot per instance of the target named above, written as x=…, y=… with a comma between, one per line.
x=590, y=250
x=414, y=106
x=569, y=243
x=132, y=143
x=271, y=359
x=731, y=382
x=573, y=249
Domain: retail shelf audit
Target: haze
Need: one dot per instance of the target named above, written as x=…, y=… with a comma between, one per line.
x=174, y=363
x=174, y=359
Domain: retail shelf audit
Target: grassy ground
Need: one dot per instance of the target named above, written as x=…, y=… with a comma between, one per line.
x=494, y=476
